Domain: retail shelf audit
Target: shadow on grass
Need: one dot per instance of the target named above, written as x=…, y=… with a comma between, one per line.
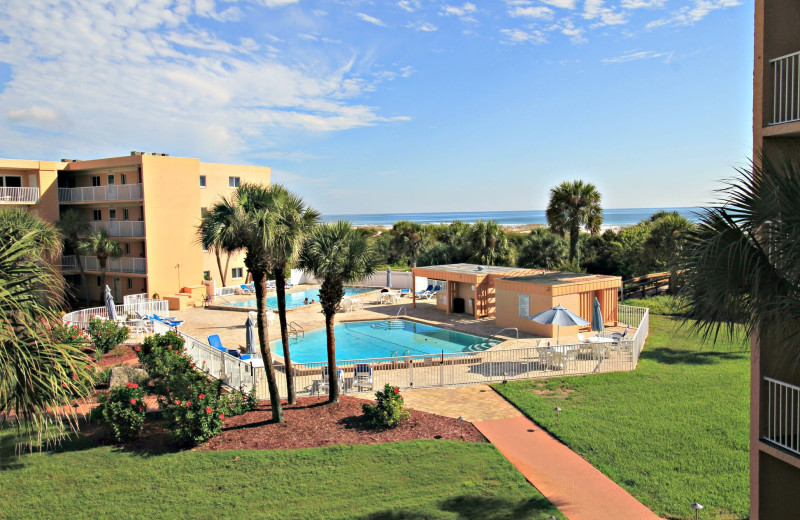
x=469, y=507
x=670, y=356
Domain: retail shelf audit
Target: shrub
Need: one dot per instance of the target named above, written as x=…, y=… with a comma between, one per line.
x=69, y=335
x=388, y=411
x=106, y=334
x=236, y=402
x=121, y=412
x=195, y=418
x=102, y=376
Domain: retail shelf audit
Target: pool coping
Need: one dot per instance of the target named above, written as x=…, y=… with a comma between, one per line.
x=233, y=308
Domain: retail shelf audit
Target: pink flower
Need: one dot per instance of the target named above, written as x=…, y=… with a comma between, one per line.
x=74, y=377
x=201, y=396
x=64, y=385
x=135, y=385
x=396, y=390
x=133, y=401
x=209, y=410
x=177, y=401
x=188, y=403
x=222, y=416
x=129, y=385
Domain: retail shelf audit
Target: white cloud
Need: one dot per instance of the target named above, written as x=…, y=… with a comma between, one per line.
x=409, y=5
x=639, y=4
x=421, y=26
x=514, y=36
x=641, y=55
x=464, y=11
x=275, y=3
x=689, y=15
x=564, y=4
x=35, y=115
x=567, y=28
x=596, y=10
x=319, y=12
x=370, y=19
x=532, y=12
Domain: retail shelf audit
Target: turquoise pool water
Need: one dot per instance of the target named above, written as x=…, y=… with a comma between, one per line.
x=296, y=299
x=384, y=338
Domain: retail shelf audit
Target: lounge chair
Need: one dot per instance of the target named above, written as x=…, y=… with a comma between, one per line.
x=619, y=337
x=405, y=292
x=215, y=342
x=323, y=385
x=235, y=353
x=432, y=293
x=426, y=291
x=288, y=284
x=581, y=338
x=362, y=376
x=245, y=289
x=170, y=322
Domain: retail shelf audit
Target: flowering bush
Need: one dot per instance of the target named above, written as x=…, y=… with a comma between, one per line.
x=106, y=334
x=388, y=411
x=69, y=335
x=236, y=402
x=195, y=418
x=121, y=412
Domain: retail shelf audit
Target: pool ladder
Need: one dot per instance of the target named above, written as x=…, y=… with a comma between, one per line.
x=296, y=330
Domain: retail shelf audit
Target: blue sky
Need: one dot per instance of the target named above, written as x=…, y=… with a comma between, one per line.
x=365, y=107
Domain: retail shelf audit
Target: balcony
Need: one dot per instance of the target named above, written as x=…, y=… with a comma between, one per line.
x=19, y=195
x=785, y=89
x=782, y=418
x=113, y=265
x=119, y=228
x=100, y=193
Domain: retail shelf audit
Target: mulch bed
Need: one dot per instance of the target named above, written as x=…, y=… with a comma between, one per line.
x=312, y=423
x=111, y=359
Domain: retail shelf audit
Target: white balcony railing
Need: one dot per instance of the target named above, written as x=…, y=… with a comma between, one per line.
x=19, y=195
x=120, y=228
x=68, y=263
x=100, y=193
x=116, y=265
x=786, y=88
x=783, y=415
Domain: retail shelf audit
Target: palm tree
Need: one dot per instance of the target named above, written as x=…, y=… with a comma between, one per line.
x=663, y=247
x=293, y=220
x=37, y=374
x=742, y=262
x=73, y=225
x=212, y=240
x=542, y=249
x=488, y=243
x=337, y=255
x=100, y=245
x=572, y=205
x=245, y=222
x=408, y=239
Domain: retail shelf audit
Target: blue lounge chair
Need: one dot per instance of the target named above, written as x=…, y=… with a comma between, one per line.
x=405, y=292
x=431, y=294
x=245, y=357
x=245, y=289
x=426, y=291
x=235, y=353
x=170, y=322
x=215, y=342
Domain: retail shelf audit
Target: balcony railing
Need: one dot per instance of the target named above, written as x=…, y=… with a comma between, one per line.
x=120, y=228
x=786, y=89
x=68, y=263
x=19, y=195
x=100, y=193
x=783, y=415
x=113, y=265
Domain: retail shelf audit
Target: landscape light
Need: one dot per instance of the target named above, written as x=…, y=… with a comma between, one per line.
x=461, y=427
x=697, y=507
x=558, y=414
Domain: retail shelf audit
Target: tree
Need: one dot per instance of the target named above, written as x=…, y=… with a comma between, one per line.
x=407, y=240
x=742, y=261
x=212, y=239
x=38, y=374
x=244, y=222
x=572, y=205
x=73, y=225
x=337, y=255
x=542, y=249
x=488, y=244
x=664, y=245
x=293, y=220
x=100, y=245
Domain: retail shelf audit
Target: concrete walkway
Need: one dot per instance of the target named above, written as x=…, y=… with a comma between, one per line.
x=573, y=485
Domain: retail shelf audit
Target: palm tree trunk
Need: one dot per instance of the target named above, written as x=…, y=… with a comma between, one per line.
x=280, y=285
x=224, y=274
x=260, y=283
x=219, y=266
x=333, y=384
x=574, y=232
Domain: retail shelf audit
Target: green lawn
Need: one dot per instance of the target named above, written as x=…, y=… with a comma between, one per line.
x=671, y=432
x=407, y=480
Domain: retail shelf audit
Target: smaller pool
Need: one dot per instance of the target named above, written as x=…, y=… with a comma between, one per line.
x=384, y=338
x=296, y=299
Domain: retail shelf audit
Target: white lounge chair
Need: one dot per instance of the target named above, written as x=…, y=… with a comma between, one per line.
x=362, y=376
x=323, y=385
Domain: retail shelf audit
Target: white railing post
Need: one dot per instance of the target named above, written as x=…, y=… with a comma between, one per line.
x=786, y=88
x=25, y=195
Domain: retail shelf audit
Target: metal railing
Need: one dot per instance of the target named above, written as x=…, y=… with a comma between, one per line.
x=638, y=317
x=69, y=263
x=100, y=193
x=786, y=88
x=134, y=298
x=123, y=264
x=19, y=195
x=503, y=330
x=783, y=415
x=119, y=228
x=81, y=317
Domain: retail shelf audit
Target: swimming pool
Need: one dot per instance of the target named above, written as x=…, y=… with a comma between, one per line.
x=384, y=338
x=296, y=299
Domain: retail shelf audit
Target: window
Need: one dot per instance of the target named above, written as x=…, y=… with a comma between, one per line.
x=236, y=272
x=95, y=180
x=125, y=214
x=441, y=284
x=127, y=251
x=122, y=180
x=96, y=214
x=202, y=181
x=112, y=214
x=233, y=182
x=130, y=283
x=99, y=281
x=524, y=306
x=111, y=179
x=10, y=181
x=206, y=275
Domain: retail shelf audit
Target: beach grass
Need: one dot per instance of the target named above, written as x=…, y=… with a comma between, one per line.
x=672, y=432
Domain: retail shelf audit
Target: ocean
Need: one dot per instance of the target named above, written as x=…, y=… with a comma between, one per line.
x=611, y=217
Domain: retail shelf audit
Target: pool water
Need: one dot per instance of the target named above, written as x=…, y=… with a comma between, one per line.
x=384, y=338
x=296, y=299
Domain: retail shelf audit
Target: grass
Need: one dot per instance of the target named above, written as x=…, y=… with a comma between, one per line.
x=406, y=480
x=673, y=431
x=663, y=304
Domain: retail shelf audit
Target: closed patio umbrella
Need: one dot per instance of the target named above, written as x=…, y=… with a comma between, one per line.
x=112, y=311
x=597, y=317
x=389, y=277
x=559, y=316
x=250, y=336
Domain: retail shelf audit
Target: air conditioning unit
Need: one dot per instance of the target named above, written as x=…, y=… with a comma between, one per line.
x=137, y=153
x=164, y=155
x=66, y=160
x=153, y=153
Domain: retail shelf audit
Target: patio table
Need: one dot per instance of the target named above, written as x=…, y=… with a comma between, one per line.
x=599, y=339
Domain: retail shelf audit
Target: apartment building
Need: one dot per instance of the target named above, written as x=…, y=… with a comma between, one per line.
x=150, y=203
x=775, y=383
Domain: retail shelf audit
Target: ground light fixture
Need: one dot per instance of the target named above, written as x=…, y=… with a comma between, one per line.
x=558, y=414
x=461, y=427
x=697, y=507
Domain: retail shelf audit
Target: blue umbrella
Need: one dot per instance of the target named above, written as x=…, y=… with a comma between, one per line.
x=112, y=311
x=597, y=317
x=250, y=337
x=389, y=277
x=559, y=316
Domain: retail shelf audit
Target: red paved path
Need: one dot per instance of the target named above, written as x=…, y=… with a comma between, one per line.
x=573, y=485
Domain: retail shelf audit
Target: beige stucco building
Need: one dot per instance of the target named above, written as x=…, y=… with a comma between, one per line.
x=150, y=203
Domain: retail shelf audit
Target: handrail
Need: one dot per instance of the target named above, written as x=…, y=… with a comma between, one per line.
x=401, y=309
x=505, y=329
x=292, y=325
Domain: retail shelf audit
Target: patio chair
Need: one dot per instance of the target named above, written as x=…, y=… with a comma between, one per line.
x=170, y=322
x=245, y=289
x=426, y=291
x=362, y=376
x=432, y=293
x=619, y=337
x=405, y=292
x=323, y=385
x=581, y=338
x=215, y=342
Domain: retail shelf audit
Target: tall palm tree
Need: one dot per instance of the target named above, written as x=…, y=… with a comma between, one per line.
x=293, y=221
x=488, y=243
x=37, y=373
x=408, y=239
x=337, y=255
x=542, y=249
x=100, y=245
x=572, y=205
x=663, y=247
x=742, y=262
x=73, y=225
x=245, y=222
x=213, y=240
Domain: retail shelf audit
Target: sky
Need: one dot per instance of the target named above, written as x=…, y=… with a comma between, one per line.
x=398, y=106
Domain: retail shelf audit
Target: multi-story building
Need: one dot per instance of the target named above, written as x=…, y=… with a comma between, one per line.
x=150, y=203
x=775, y=381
